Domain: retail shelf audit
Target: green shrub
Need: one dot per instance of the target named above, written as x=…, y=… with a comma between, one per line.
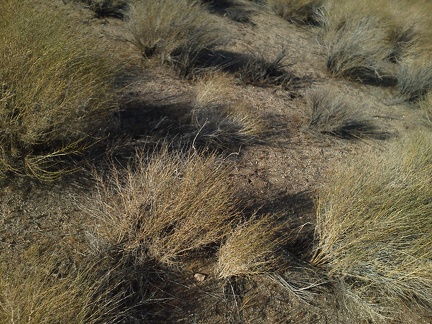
x=54, y=90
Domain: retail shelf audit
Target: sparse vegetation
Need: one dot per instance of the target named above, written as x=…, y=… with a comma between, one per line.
x=374, y=228
x=54, y=90
x=213, y=220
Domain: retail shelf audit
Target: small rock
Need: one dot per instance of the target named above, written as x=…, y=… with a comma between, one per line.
x=200, y=277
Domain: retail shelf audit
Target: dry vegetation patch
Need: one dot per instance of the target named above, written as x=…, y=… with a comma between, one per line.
x=175, y=32
x=333, y=113
x=302, y=11
x=220, y=122
x=166, y=206
x=251, y=248
x=374, y=228
x=33, y=290
x=55, y=90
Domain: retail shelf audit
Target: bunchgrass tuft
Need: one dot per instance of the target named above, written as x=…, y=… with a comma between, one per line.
x=415, y=76
x=374, y=228
x=35, y=290
x=166, y=206
x=174, y=32
x=55, y=90
x=251, y=248
x=299, y=11
x=336, y=114
x=217, y=121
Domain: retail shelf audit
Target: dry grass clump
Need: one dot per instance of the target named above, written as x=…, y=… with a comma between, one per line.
x=176, y=32
x=300, y=11
x=213, y=88
x=226, y=126
x=426, y=107
x=374, y=228
x=259, y=70
x=415, y=76
x=217, y=121
x=365, y=40
x=251, y=249
x=33, y=290
x=332, y=112
x=356, y=44
x=107, y=8
x=55, y=90
x=166, y=206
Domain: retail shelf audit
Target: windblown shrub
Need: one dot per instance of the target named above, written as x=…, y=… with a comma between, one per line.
x=374, y=228
x=54, y=90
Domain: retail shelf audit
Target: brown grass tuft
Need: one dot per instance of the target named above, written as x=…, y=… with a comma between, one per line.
x=33, y=290
x=55, y=90
x=251, y=249
x=175, y=32
x=166, y=206
x=218, y=121
x=300, y=11
x=334, y=113
x=415, y=76
x=374, y=226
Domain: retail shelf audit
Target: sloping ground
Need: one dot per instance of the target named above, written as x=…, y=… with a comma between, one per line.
x=278, y=172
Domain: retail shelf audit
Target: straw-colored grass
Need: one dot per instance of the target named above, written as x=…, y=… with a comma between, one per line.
x=218, y=121
x=251, y=249
x=300, y=11
x=55, y=90
x=415, y=76
x=34, y=290
x=355, y=40
x=173, y=31
x=166, y=206
x=374, y=228
x=334, y=113
x=426, y=107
